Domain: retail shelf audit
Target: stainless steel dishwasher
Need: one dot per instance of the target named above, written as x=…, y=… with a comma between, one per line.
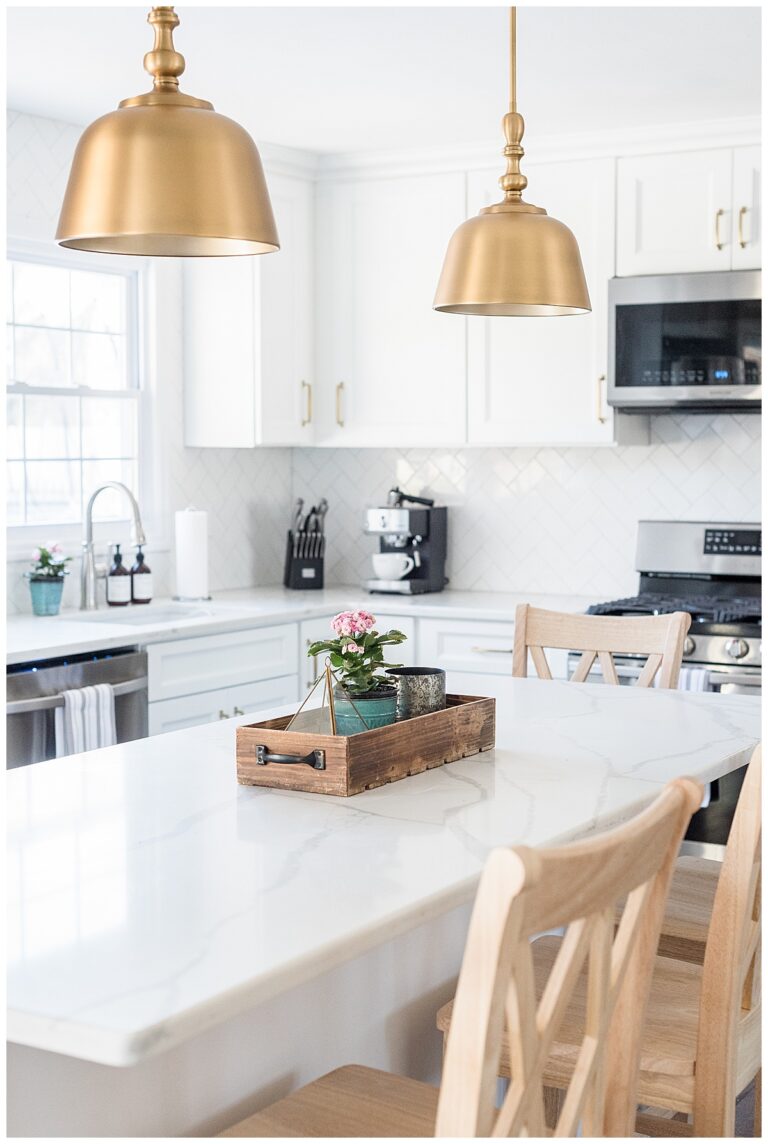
x=34, y=692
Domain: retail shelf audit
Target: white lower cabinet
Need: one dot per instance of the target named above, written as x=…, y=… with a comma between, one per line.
x=224, y=703
x=468, y=650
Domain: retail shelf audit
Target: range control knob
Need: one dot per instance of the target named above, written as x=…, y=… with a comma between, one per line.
x=737, y=649
x=689, y=646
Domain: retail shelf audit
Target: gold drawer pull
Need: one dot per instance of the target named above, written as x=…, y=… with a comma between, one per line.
x=305, y=385
x=601, y=419
x=718, y=215
x=492, y=650
x=742, y=239
x=339, y=392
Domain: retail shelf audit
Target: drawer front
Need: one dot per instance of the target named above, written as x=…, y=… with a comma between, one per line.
x=208, y=663
x=226, y=703
x=463, y=645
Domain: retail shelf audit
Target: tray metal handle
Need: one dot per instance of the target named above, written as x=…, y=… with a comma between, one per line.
x=315, y=759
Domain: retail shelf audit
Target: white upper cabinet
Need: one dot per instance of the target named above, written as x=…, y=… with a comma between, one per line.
x=248, y=336
x=675, y=213
x=390, y=370
x=746, y=208
x=542, y=380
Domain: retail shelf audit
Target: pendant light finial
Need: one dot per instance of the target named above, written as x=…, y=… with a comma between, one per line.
x=165, y=175
x=512, y=260
x=164, y=63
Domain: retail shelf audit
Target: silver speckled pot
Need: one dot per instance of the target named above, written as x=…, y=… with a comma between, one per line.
x=420, y=690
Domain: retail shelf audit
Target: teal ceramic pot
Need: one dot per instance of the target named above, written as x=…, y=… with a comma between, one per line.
x=377, y=708
x=46, y=595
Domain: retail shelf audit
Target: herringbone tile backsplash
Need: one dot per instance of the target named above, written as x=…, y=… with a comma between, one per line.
x=544, y=520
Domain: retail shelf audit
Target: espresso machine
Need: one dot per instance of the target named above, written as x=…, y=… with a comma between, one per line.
x=412, y=545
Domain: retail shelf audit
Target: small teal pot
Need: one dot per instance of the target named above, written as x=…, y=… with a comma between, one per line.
x=46, y=594
x=377, y=708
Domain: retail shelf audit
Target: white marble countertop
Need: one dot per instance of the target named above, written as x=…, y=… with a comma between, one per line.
x=151, y=897
x=72, y=632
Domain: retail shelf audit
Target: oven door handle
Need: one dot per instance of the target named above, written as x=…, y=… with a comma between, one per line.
x=48, y=702
x=740, y=678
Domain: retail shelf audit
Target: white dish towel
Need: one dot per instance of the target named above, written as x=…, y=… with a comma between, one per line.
x=693, y=679
x=86, y=721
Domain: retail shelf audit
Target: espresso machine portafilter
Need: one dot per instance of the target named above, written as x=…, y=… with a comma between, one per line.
x=412, y=545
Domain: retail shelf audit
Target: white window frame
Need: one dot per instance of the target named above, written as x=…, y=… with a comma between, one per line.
x=144, y=350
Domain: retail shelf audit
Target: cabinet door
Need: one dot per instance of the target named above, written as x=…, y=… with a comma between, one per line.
x=542, y=380
x=674, y=213
x=207, y=663
x=746, y=208
x=224, y=703
x=285, y=365
x=219, y=364
x=391, y=369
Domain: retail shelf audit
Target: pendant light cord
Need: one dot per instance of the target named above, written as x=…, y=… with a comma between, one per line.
x=513, y=59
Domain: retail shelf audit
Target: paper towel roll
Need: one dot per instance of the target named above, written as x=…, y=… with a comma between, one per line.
x=192, y=554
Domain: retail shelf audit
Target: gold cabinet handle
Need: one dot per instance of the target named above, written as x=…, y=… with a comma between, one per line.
x=599, y=400
x=718, y=215
x=339, y=392
x=742, y=239
x=305, y=385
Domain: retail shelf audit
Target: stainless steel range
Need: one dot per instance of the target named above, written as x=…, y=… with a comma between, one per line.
x=711, y=570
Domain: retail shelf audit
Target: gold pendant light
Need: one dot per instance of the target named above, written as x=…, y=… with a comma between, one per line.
x=513, y=260
x=166, y=175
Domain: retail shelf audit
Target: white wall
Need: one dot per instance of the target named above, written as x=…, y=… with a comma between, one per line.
x=246, y=492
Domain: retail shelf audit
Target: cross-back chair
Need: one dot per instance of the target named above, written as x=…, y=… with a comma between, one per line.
x=700, y=1044
x=521, y=892
x=659, y=638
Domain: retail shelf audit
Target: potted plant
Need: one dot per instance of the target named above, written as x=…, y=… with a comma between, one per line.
x=363, y=697
x=46, y=580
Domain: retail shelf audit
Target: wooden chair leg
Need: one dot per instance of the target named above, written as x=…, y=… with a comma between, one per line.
x=758, y=1129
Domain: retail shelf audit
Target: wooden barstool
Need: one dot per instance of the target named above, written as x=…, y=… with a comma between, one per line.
x=701, y=1041
x=659, y=638
x=521, y=893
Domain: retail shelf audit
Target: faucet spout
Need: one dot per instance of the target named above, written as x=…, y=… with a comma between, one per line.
x=88, y=568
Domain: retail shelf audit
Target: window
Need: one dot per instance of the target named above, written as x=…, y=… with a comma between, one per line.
x=73, y=395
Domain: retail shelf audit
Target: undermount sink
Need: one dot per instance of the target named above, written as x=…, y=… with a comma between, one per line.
x=137, y=615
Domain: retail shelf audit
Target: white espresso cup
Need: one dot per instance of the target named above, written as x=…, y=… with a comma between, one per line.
x=392, y=565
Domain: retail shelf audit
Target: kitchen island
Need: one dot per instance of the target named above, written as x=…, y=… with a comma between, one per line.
x=184, y=950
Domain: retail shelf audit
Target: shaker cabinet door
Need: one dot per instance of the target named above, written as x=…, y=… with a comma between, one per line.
x=390, y=368
x=535, y=381
x=248, y=349
x=674, y=213
x=746, y=208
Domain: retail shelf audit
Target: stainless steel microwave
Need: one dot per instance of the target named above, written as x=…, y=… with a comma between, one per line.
x=685, y=341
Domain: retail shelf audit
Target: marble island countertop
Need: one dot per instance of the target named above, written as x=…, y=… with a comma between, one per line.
x=152, y=898
x=30, y=638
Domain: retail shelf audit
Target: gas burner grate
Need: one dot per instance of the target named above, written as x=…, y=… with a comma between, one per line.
x=705, y=608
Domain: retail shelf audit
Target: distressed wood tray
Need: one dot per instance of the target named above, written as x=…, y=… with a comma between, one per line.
x=347, y=765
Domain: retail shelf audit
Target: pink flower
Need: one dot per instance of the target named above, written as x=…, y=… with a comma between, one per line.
x=352, y=623
x=351, y=647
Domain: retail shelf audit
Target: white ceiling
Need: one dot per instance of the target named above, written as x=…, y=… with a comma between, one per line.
x=357, y=78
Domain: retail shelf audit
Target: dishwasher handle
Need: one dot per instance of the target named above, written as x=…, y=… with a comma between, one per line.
x=48, y=702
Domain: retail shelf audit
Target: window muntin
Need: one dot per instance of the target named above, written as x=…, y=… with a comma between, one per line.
x=73, y=396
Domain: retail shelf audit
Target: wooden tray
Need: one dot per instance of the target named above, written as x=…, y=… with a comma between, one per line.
x=346, y=765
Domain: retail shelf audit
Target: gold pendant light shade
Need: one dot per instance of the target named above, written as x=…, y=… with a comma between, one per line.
x=166, y=175
x=513, y=260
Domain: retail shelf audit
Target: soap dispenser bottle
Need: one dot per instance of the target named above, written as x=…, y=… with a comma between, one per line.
x=118, y=582
x=141, y=579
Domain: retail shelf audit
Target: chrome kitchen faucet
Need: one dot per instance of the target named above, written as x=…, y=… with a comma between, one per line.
x=89, y=573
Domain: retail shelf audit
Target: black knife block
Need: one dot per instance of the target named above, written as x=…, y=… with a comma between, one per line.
x=304, y=571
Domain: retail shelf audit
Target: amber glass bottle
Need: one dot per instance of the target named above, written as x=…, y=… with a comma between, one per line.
x=118, y=582
x=141, y=579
